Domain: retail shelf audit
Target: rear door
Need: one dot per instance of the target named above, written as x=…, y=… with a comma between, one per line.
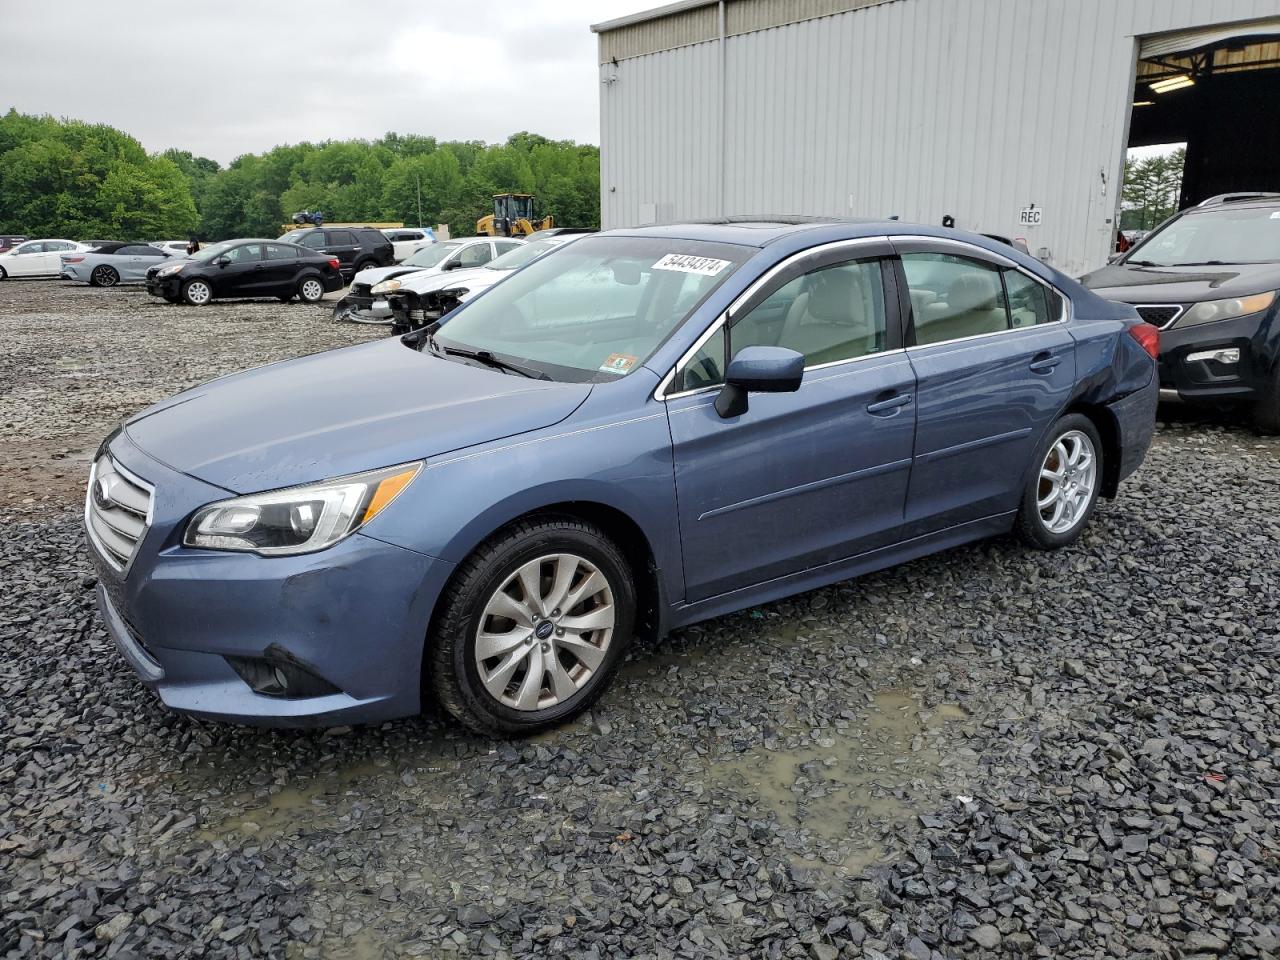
x=805, y=478
x=342, y=244
x=132, y=261
x=280, y=270
x=994, y=363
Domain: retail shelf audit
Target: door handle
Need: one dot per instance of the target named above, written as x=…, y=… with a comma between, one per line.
x=889, y=405
x=259, y=268
x=1044, y=363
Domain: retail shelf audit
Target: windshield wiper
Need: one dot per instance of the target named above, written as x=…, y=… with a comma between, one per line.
x=1201, y=263
x=487, y=358
x=1141, y=263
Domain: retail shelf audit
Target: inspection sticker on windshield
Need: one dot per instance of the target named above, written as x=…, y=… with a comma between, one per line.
x=684, y=263
x=618, y=363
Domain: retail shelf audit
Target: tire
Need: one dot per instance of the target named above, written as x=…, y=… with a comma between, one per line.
x=104, y=276
x=310, y=290
x=553, y=547
x=197, y=292
x=1266, y=412
x=1075, y=436
x=363, y=265
x=3, y=275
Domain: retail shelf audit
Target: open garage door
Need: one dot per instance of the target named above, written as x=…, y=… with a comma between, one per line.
x=1214, y=89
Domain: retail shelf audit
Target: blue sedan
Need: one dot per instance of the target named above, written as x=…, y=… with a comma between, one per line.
x=641, y=430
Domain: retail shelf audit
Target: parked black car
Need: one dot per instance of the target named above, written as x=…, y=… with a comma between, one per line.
x=247, y=268
x=357, y=248
x=1208, y=278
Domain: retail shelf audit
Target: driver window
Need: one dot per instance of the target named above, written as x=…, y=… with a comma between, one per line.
x=313, y=241
x=475, y=255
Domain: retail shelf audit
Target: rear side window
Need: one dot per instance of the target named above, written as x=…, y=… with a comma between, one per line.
x=313, y=241
x=278, y=251
x=1030, y=302
x=342, y=237
x=954, y=297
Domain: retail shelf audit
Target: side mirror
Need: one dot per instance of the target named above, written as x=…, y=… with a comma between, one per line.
x=223, y=261
x=453, y=265
x=1115, y=257
x=758, y=370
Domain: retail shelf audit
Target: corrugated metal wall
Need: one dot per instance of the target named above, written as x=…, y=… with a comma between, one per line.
x=920, y=108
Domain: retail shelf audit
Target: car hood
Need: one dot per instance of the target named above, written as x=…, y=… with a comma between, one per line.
x=1134, y=284
x=378, y=274
x=342, y=412
x=429, y=282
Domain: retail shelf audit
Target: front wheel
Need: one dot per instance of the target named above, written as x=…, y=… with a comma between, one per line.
x=1266, y=412
x=103, y=276
x=310, y=290
x=197, y=292
x=3, y=275
x=532, y=627
x=1063, y=490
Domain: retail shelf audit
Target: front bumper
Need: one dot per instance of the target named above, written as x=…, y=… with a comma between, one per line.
x=1192, y=378
x=360, y=306
x=169, y=286
x=355, y=615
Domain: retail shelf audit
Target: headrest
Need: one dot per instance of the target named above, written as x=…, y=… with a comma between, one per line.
x=976, y=290
x=833, y=297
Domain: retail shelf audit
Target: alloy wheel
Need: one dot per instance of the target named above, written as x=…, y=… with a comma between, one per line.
x=545, y=632
x=1068, y=479
x=312, y=290
x=104, y=276
x=199, y=292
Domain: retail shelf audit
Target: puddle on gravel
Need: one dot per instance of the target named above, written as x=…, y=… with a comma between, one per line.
x=844, y=792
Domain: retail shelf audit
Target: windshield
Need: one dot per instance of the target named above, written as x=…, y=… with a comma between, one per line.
x=523, y=254
x=208, y=253
x=1240, y=235
x=596, y=310
x=295, y=236
x=431, y=255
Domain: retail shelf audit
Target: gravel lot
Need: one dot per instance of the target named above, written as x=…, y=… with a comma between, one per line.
x=991, y=752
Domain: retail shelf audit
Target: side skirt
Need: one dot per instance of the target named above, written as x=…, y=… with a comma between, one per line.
x=829, y=573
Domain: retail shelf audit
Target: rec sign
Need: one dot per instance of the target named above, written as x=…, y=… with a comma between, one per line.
x=1030, y=216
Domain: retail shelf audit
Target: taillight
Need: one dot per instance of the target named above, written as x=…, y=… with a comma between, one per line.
x=1148, y=337
x=72, y=259
x=333, y=262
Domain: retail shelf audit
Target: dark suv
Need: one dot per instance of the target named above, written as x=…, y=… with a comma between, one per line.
x=357, y=248
x=1208, y=278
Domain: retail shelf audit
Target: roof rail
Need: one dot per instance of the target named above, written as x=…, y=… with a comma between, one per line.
x=1239, y=197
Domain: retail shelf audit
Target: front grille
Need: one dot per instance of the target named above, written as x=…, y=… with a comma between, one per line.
x=360, y=289
x=117, y=512
x=1159, y=314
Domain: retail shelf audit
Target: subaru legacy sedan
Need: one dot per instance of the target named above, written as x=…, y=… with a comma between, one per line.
x=640, y=430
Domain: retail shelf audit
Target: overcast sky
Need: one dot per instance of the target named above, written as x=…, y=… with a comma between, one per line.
x=241, y=76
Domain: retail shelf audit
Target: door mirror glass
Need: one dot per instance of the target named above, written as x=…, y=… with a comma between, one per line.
x=759, y=370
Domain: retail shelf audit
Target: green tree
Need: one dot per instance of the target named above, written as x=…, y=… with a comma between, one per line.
x=1152, y=187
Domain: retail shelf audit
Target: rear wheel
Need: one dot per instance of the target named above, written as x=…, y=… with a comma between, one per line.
x=532, y=627
x=1063, y=490
x=197, y=292
x=310, y=290
x=1266, y=412
x=3, y=275
x=103, y=276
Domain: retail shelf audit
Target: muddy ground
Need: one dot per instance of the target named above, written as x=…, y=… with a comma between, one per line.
x=990, y=752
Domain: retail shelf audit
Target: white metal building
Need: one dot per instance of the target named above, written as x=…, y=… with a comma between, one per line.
x=1011, y=116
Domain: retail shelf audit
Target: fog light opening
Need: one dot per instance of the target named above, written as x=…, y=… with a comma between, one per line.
x=1225, y=356
x=274, y=676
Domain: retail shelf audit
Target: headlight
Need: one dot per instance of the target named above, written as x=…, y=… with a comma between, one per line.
x=298, y=519
x=386, y=286
x=169, y=270
x=1211, y=310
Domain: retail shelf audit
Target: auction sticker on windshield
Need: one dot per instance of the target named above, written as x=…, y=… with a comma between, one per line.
x=618, y=363
x=685, y=263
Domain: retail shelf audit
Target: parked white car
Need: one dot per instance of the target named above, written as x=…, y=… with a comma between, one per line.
x=37, y=258
x=421, y=298
x=174, y=248
x=366, y=301
x=406, y=241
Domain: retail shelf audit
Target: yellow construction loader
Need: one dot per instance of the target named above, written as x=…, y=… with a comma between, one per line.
x=512, y=217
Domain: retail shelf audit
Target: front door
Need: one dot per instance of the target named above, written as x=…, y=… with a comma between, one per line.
x=994, y=365
x=32, y=260
x=243, y=275
x=802, y=478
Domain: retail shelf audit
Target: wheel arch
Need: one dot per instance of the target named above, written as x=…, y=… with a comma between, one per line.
x=620, y=527
x=1104, y=422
